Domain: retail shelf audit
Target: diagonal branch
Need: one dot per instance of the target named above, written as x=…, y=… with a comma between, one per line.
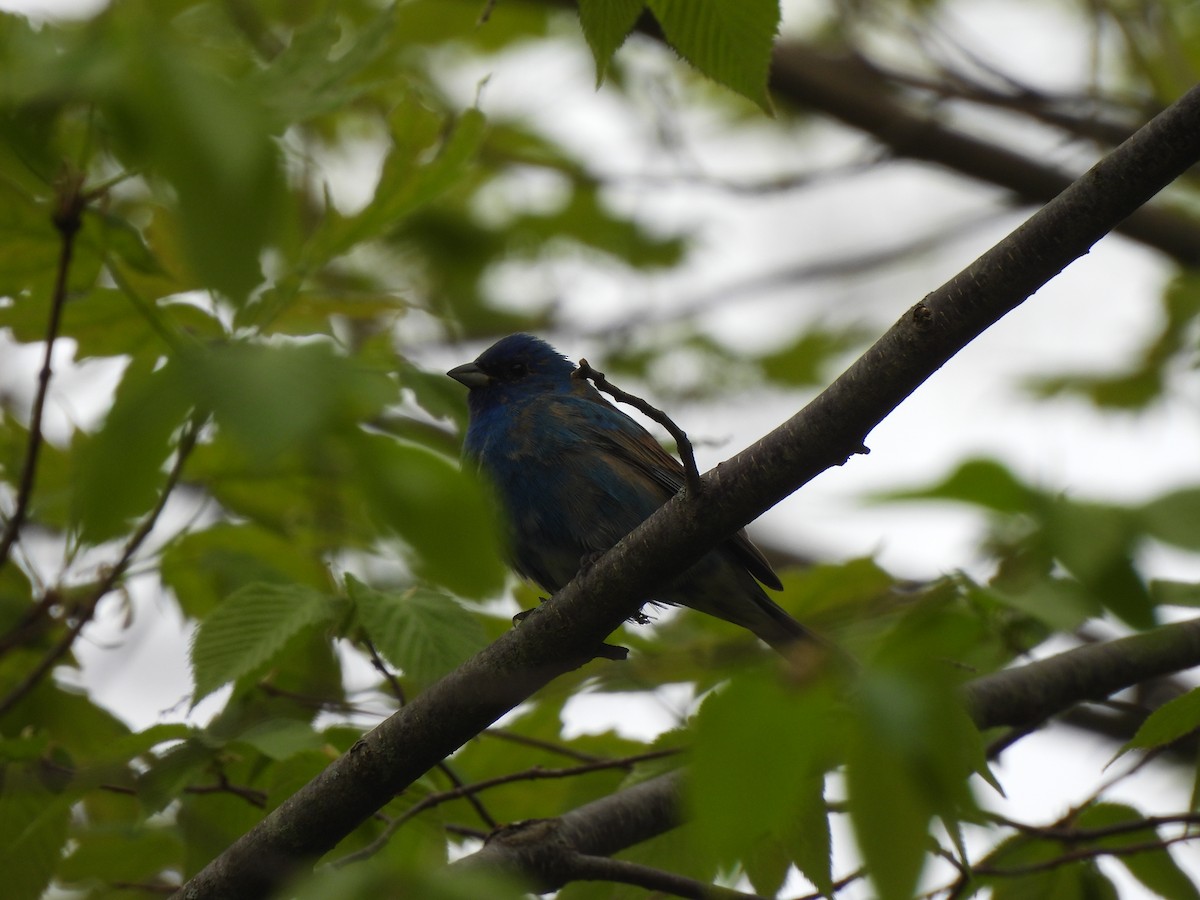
x=68, y=219
x=864, y=98
x=187, y=441
x=565, y=632
x=1032, y=692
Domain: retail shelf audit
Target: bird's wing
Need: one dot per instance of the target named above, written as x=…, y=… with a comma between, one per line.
x=632, y=443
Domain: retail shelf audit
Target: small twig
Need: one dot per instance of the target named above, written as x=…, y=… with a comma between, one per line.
x=690, y=472
x=382, y=669
x=223, y=785
x=1047, y=865
x=550, y=747
x=585, y=867
x=1070, y=835
x=187, y=440
x=68, y=219
x=843, y=882
x=443, y=766
x=535, y=774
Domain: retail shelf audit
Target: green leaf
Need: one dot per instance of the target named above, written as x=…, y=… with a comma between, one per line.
x=273, y=398
x=606, y=24
x=33, y=830
x=760, y=754
x=1096, y=544
x=163, y=99
x=440, y=511
x=203, y=567
x=313, y=76
x=804, y=362
x=1175, y=518
x=1171, y=721
x=1175, y=593
x=424, y=633
x=1156, y=869
x=249, y=629
x=889, y=810
x=728, y=40
x=979, y=482
x=282, y=738
x=410, y=178
x=121, y=853
x=118, y=471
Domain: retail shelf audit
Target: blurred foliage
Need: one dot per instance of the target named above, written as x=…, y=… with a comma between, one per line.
x=276, y=350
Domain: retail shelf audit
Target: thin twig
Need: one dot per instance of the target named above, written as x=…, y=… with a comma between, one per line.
x=223, y=785
x=549, y=746
x=690, y=472
x=187, y=440
x=1069, y=835
x=535, y=774
x=68, y=219
x=443, y=766
x=1072, y=856
x=843, y=882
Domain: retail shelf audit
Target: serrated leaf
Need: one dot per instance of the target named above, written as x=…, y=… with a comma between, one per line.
x=33, y=830
x=249, y=628
x=1156, y=869
x=979, y=482
x=1175, y=593
x=606, y=24
x=1175, y=518
x=410, y=180
x=1168, y=723
x=760, y=754
x=727, y=40
x=273, y=398
x=119, y=470
x=282, y=738
x=129, y=854
x=228, y=180
x=440, y=511
x=1096, y=543
x=424, y=633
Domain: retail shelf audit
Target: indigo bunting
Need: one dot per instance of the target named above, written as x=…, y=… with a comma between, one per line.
x=573, y=475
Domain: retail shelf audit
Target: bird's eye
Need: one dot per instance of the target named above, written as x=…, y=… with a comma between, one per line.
x=518, y=370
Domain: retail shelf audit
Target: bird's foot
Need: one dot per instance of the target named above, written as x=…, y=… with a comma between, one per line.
x=588, y=560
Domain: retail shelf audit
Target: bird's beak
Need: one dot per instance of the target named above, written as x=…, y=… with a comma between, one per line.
x=470, y=375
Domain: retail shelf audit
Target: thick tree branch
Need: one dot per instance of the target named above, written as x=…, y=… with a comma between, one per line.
x=1033, y=693
x=566, y=631
x=533, y=852
x=1029, y=693
x=862, y=97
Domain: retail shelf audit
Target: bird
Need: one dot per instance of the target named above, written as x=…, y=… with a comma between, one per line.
x=573, y=474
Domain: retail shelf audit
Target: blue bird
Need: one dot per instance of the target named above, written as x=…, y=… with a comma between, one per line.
x=573, y=475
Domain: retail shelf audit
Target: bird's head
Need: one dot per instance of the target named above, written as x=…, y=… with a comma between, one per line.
x=517, y=363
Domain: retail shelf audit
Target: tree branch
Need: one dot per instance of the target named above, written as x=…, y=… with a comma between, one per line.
x=187, y=440
x=862, y=97
x=565, y=632
x=1072, y=677
x=1034, y=692
x=68, y=219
